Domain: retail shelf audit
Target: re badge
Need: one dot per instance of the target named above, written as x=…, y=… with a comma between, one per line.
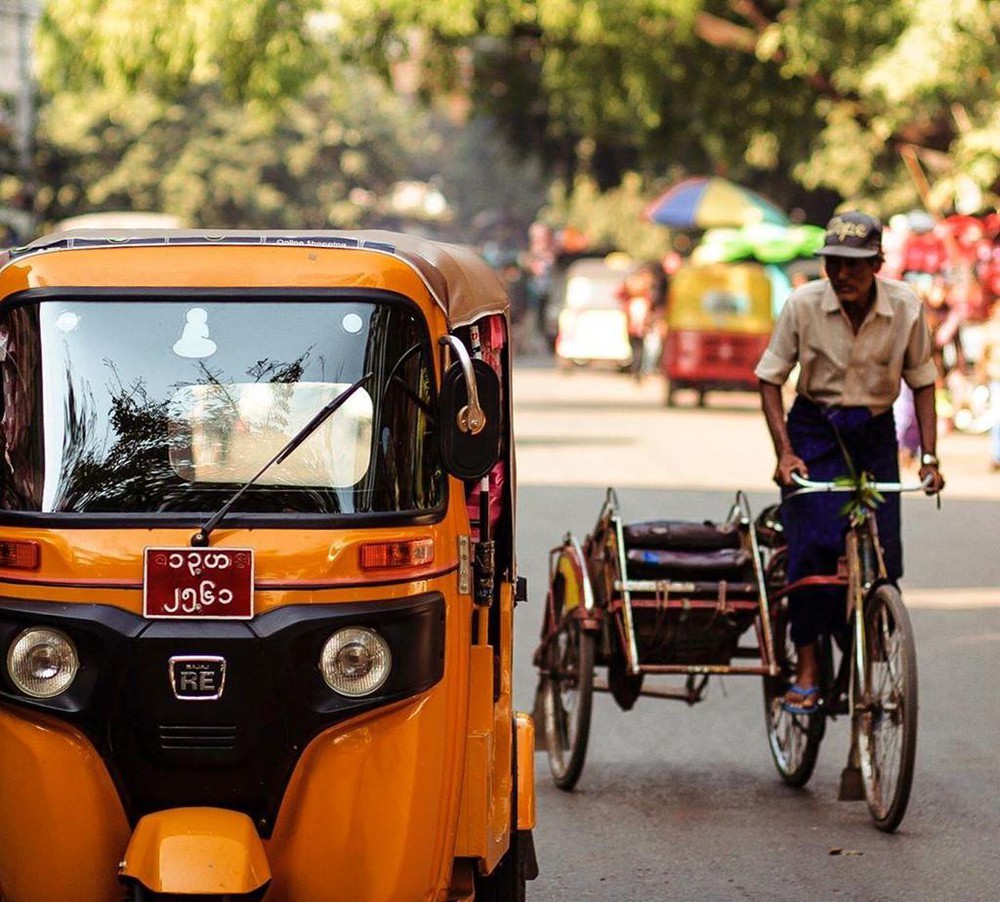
x=197, y=678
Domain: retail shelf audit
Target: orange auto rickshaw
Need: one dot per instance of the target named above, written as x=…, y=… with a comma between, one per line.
x=257, y=573
x=719, y=320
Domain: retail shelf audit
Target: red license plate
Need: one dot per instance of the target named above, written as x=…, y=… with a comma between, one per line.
x=198, y=583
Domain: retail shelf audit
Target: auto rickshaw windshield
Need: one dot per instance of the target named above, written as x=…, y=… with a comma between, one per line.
x=168, y=405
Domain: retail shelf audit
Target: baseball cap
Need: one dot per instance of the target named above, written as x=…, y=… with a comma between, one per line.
x=852, y=234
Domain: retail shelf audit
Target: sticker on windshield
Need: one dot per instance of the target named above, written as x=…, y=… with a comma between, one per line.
x=352, y=323
x=67, y=322
x=194, y=341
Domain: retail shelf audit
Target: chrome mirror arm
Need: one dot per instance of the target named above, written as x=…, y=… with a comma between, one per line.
x=471, y=418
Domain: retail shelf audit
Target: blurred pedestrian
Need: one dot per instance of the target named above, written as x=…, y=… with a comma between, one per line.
x=904, y=412
x=642, y=299
x=989, y=370
x=929, y=287
x=537, y=263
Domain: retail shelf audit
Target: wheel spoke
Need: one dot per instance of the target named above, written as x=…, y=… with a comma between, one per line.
x=887, y=713
x=567, y=701
x=794, y=738
x=887, y=721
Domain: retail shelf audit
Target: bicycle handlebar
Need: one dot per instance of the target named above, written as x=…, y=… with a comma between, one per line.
x=809, y=485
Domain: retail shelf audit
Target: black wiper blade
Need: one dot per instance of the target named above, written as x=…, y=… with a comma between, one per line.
x=200, y=538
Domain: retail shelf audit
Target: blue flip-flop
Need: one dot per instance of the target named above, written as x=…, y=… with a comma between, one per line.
x=805, y=693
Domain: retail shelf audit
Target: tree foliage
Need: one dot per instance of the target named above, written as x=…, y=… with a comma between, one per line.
x=266, y=112
x=322, y=163
x=783, y=95
x=244, y=114
x=253, y=49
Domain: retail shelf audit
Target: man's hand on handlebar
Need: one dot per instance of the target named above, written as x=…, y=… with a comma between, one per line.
x=789, y=463
x=932, y=476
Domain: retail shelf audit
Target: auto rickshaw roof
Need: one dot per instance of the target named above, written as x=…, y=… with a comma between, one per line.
x=459, y=280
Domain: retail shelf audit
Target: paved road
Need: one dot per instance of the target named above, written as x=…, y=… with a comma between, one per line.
x=568, y=423
x=680, y=803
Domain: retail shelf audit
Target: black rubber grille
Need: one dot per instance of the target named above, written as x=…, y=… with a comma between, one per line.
x=189, y=737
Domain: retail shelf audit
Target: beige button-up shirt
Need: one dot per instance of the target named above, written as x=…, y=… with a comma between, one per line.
x=839, y=368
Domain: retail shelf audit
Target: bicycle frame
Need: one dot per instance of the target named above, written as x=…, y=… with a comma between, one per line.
x=863, y=569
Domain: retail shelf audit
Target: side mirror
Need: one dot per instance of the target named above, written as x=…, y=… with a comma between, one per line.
x=470, y=415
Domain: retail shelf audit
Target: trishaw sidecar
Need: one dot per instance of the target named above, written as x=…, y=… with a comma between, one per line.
x=257, y=572
x=658, y=598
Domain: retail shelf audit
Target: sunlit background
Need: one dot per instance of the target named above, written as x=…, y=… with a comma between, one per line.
x=468, y=119
x=471, y=120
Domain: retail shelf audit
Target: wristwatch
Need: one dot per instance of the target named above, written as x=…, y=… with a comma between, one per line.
x=929, y=460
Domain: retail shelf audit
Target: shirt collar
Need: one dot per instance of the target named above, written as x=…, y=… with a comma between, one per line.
x=883, y=307
x=831, y=303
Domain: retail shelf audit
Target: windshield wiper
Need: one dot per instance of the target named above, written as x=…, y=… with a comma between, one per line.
x=200, y=538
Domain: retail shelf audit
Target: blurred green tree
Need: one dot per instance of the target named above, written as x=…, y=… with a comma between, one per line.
x=245, y=114
x=328, y=160
x=225, y=113
x=263, y=112
x=261, y=50
x=860, y=99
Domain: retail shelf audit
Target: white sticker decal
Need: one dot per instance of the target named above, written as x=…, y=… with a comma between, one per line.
x=194, y=341
x=67, y=322
x=352, y=323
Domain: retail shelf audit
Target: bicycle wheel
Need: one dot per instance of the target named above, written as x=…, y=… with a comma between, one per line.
x=794, y=739
x=886, y=707
x=568, y=694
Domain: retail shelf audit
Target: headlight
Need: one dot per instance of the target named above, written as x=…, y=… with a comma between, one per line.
x=42, y=662
x=355, y=661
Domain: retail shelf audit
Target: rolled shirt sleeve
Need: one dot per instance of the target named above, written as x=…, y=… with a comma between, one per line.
x=782, y=352
x=919, y=369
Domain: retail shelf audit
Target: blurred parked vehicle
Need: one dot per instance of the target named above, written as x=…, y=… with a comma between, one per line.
x=593, y=323
x=718, y=322
x=560, y=275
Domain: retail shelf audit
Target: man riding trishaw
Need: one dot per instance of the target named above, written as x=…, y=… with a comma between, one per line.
x=856, y=338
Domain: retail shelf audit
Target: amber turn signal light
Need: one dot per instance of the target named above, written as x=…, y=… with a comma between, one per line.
x=382, y=555
x=20, y=555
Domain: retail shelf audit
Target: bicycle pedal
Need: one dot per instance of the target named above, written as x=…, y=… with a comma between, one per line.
x=852, y=789
x=839, y=707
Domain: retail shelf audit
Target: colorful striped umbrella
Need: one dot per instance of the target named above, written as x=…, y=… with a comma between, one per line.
x=704, y=203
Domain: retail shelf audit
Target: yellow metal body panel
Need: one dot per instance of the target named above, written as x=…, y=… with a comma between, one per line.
x=104, y=566
x=502, y=815
x=567, y=568
x=485, y=823
x=62, y=827
x=526, y=812
x=196, y=850
x=477, y=788
x=374, y=801
x=371, y=809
